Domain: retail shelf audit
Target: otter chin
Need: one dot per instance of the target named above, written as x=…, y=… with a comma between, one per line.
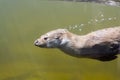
x=103, y=45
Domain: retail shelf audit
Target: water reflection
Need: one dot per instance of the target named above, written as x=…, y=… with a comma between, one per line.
x=106, y=2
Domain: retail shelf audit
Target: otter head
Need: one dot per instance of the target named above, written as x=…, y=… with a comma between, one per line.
x=52, y=39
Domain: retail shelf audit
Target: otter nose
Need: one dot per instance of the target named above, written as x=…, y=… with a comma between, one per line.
x=36, y=43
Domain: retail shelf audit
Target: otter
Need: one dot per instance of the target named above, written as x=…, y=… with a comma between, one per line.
x=103, y=45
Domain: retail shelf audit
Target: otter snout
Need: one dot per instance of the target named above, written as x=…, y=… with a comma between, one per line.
x=38, y=43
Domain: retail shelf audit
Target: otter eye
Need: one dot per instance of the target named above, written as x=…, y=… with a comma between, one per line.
x=45, y=38
x=56, y=37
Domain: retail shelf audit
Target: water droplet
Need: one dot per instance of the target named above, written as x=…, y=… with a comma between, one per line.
x=96, y=20
x=80, y=29
x=109, y=18
x=102, y=15
x=82, y=25
x=75, y=26
x=102, y=19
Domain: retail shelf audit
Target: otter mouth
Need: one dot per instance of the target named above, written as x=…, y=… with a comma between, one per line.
x=41, y=45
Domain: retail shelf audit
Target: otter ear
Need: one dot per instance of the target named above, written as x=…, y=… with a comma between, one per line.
x=60, y=34
x=64, y=31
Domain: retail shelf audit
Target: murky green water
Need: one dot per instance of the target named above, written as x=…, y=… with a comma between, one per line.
x=22, y=21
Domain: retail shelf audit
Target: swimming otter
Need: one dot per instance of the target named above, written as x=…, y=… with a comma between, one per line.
x=102, y=45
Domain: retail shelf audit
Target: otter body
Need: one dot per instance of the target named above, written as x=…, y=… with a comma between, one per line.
x=102, y=45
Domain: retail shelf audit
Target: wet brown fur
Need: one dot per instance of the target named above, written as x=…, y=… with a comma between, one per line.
x=102, y=44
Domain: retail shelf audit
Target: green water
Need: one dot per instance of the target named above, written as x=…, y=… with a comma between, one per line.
x=23, y=21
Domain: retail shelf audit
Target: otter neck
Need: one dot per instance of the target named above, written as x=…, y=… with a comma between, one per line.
x=74, y=40
x=74, y=44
